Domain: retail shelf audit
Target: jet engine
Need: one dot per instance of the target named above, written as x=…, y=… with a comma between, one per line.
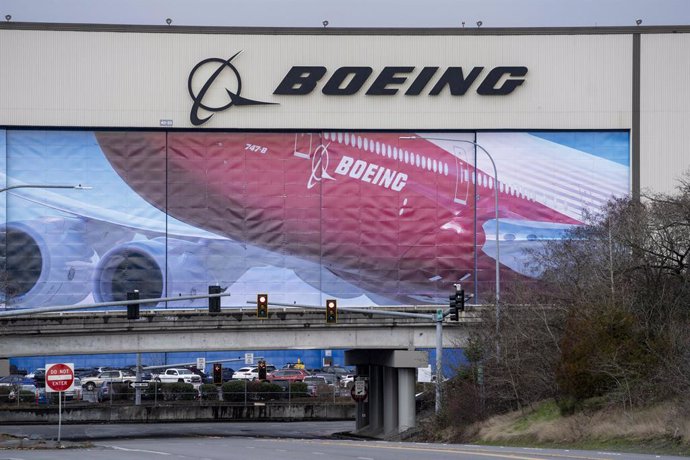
x=46, y=261
x=191, y=267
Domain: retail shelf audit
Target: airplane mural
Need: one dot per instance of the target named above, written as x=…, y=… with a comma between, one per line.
x=366, y=217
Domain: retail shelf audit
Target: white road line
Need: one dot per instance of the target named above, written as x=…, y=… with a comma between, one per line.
x=139, y=450
x=365, y=458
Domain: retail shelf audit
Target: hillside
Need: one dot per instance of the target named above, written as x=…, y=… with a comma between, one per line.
x=662, y=428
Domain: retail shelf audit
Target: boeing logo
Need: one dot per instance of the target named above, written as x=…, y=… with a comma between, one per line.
x=232, y=86
x=355, y=169
x=319, y=166
x=349, y=81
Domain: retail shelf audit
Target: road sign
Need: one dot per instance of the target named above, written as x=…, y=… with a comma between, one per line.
x=201, y=363
x=140, y=384
x=359, y=390
x=249, y=358
x=59, y=377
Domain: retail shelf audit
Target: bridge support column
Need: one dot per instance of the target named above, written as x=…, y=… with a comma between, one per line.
x=375, y=399
x=391, y=375
x=390, y=400
x=406, y=399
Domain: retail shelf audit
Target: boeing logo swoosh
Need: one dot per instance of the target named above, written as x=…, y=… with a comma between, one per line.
x=234, y=97
x=319, y=166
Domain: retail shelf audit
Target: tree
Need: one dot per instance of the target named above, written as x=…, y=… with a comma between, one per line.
x=607, y=316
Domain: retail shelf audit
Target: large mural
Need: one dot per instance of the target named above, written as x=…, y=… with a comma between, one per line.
x=364, y=217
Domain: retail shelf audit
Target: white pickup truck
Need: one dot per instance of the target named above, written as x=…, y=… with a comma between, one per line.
x=90, y=383
x=178, y=375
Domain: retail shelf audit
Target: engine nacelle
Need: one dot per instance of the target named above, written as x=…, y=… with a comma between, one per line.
x=141, y=265
x=45, y=261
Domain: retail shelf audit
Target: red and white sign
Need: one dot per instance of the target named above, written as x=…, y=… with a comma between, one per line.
x=359, y=391
x=59, y=377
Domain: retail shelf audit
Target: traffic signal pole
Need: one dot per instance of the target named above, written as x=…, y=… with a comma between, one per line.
x=439, y=357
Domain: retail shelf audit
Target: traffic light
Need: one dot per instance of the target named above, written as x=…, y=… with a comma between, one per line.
x=214, y=302
x=331, y=311
x=262, y=370
x=262, y=306
x=460, y=299
x=133, y=309
x=217, y=373
x=453, y=307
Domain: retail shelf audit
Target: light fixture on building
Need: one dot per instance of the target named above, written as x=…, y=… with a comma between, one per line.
x=8, y=17
x=638, y=22
x=479, y=23
x=168, y=21
x=325, y=23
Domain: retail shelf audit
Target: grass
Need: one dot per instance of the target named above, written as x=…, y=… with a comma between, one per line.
x=662, y=429
x=658, y=446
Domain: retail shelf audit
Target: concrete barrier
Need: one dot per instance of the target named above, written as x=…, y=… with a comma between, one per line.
x=180, y=413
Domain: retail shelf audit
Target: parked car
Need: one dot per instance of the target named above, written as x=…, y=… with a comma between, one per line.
x=287, y=375
x=11, y=380
x=82, y=372
x=108, y=391
x=205, y=378
x=26, y=385
x=227, y=373
x=252, y=372
x=331, y=379
x=347, y=380
x=178, y=375
x=313, y=383
x=118, y=376
x=39, y=376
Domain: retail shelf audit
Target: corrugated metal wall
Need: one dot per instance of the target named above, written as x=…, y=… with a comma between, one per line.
x=135, y=79
x=117, y=79
x=664, y=110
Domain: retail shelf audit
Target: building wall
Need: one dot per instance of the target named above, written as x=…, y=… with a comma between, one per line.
x=664, y=111
x=121, y=79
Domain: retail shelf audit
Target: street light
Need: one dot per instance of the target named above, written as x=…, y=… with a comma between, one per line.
x=77, y=187
x=498, y=263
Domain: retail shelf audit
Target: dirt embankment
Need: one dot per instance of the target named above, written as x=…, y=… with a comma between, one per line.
x=662, y=428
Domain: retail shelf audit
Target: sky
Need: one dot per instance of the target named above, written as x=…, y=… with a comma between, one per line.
x=354, y=13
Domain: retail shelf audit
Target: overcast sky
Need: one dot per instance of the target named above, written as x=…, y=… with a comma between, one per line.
x=353, y=13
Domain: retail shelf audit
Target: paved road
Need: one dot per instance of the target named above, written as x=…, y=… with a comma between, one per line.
x=90, y=432
x=284, y=441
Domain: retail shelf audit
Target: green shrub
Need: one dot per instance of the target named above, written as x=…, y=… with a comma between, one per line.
x=268, y=391
x=209, y=392
x=234, y=390
x=121, y=391
x=5, y=393
x=27, y=396
x=177, y=391
x=298, y=390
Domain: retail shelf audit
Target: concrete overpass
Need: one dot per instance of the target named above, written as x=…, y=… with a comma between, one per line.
x=232, y=329
x=384, y=349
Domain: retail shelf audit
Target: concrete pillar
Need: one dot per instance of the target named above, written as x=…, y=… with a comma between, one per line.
x=390, y=400
x=361, y=417
x=406, y=400
x=375, y=399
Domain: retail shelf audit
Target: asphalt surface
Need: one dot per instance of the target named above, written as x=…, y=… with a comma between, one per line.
x=245, y=448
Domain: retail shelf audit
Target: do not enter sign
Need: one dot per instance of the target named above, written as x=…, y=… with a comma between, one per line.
x=59, y=377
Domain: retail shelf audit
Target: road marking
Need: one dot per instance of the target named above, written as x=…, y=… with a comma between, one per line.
x=365, y=458
x=139, y=450
x=431, y=448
